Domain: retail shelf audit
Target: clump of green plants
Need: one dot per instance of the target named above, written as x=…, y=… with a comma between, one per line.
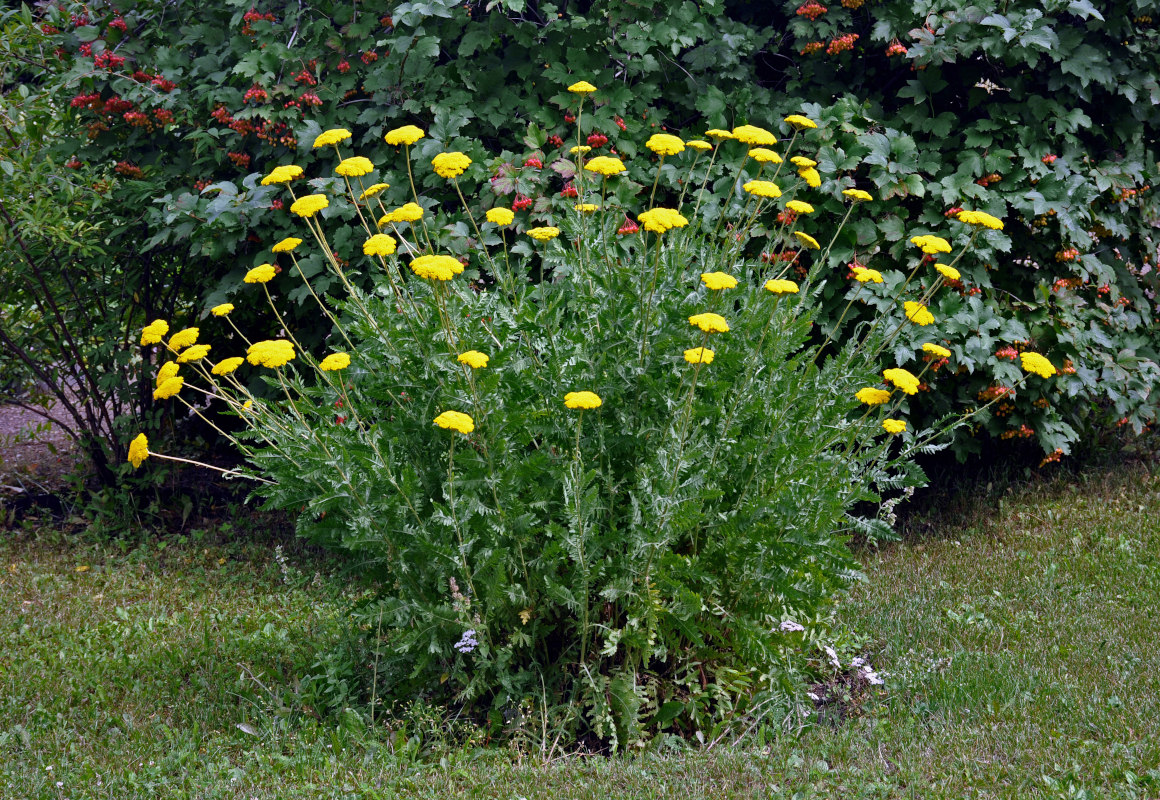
x=592, y=454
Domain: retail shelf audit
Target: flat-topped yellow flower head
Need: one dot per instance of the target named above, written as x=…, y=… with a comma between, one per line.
x=227, y=365
x=665, y=144
x=138, y=450
x=455, y=421
x=436, y=268
x=473, y=359
x=717, y=281
x=193, y=353
x=902, y=379
x=918, y=313
x=583, y=400
x=332, y=136
x=1034, y=362
x=697, y=144
x=544, y=233
x=802, y=161
x=659, y=220
x=283, y=174
x=893, y=426
x=183, y=339
x=263, y=273
x=450, y=165
x=800, y=122
x=717, y=133
x=309, y=205
x=864, y=275
x=936, y=350
x=408, y=135
x=781, y=286
x=811, y=176
x=373, y=189
x=807, y=240
x=872, y=396
x=500, y=216
x=169, y=388
x=751, y=134
x=858, y=195
x=948, y=272
x=980, y=219
x=408, y=212
x=354, y=167
x=379, y=245
x=582, y=87
x=763, y=155
x=167, y=371
x=799, y=207
x=931, y=245
x=605, y=165
x=154, y=332
x=763, y=188
x=587, y=208
x=579, y=149
x=334, y=362
x=286, y=245
x=709, y=322
x=270, y=353
x=699, y=355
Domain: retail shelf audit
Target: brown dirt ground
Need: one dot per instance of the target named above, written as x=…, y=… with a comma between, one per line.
x=35, y=454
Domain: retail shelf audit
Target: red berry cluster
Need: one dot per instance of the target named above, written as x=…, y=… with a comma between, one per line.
x=1049, y=159
x=73, y=163
x=569, y=191
x=255, y=94
x=78, y=20
x=597, y=139
x=107, y=60
x=787, y=217
x=118, y=23
x=521, y=202
x=92, y=101
x=253, y=16
x=310, y=99
x=1066, y=283
x=813, y=47
x=811, y=10
x=49, y=30
x=555, y=141
x=1053, y=458
x=240, y=159
x=786, y=255
x=276, y=205
x=569, y=117
x=138, y=120
x=896, y=48
x=306, y=78
x=628, y=227
x=987, y=180
x=841, y=44
x=163, y=115
x=1070, y=254
x=369, y=57
x=1008, y=352
x=128, y=170
x=86, y=50
x=950, y=212
x=993, y=392
x=620, y=123
x=1022, y=432
x=201, y=183
x=343, y=66
x=534, y=162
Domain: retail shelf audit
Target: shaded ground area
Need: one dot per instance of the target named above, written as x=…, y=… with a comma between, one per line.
x=35, y=454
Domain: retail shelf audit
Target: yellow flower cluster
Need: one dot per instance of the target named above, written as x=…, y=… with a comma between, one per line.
x=408, y=212
x=579, y=149
x=373, y=189
x=455, y=421
x=803, y=162
x=168, y=388
x=184, y=338
x=781, y=286
x=283, y=174
x=138, y=450
x=858, y=194
x=605, y=165
x=436, y=268
x=718, y=280
x=762, y=188
x=286, y=245
x=751, y=134
x=193, y=353
x=918, y=313
x=354, y=167
x=587, y=208
x=699, y=355
x=263, y=273
x=408, y=134
x=659, y=220
x=800, y=122
x=332, y=136
x=309, y=205
x=807, y=240
x=224, y=310
x=450, y=165
x=697, y=144
x=167, y=371
x=473, y=359
x=902, y=379
x=931, y=245
x=950, y=273
x=865, y=275
x=871, y=396
x=811, y=176
x=583, y=400
x=379, y=245
x=764, y=155
x=893, y=426
x=582, y=87
x=154, y=332
x=980, y=219
x=936, y=350
x=709, y=322
x=665, y=144
x=545, y=233
x=270, y=353
x=717, y=133
x=500, y=216
x=227, y=365
x=1034, y=362
x=799, y=207
x=334, y=362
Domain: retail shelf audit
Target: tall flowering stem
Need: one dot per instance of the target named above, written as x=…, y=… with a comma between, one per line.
x=415, y=194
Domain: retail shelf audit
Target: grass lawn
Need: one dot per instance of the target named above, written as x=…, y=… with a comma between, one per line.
x=1018, y=637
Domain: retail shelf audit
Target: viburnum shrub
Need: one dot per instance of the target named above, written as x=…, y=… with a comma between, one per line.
x=588, y=464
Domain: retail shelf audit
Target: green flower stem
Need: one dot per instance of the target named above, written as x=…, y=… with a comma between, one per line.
x=282, y=322
x=226, y=473
x=455, y=520
x=688, y=178
x=653, y=193
x=415, y=194
x=646, y=310
x=321, y=305
x=705, y=181
x=578, y=474
x=238, y=332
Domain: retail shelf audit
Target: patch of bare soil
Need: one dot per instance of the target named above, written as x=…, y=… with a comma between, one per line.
x=36, y=454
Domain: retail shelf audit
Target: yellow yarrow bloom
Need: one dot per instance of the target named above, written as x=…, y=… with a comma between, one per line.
x=605, y=165
x=800, y=122
x=183, y=339
x=286, y=245
x=270, y=353
x=718, y=280
x=872, y=396
x=379, y=245
x=709, y=322
x=931, y=245
x=763, y=155
x=167, y=371
x=803, y=162
x=500, y=216
x=763, y=188
x=263, y=273
x=193, y=353
x=917, y=313
x=799, y=207
x=864, y=275
x=373, y=189
x=807, y=240
x=858, y=194
x=893, y=426
x=1034, y=362
x=699, y=355
x=169, y=388
x=811, y=176
x=309, y=205
x=334, y=362
x=582, y=87
x=697, y=144
x=583, y=400
x=936, y=350
x=950, y=273
x=227, y=365
x=665, y=144
x=283, y=174
x=455, y=421
x=751, y=134
x=902, y=379
x=473, y=359
x=579, y=149
x=408, y=134
x=660, y=220
x=224, y=310
x=545, y=233
x=154, y=332
x=450, y=165
x=408, y=212
x=717, y=133
x=781, y=286
x=437, y=268
x=138, y=450
x=332, y=136
x=354, y=167
x=587, y=208
x=980, y=219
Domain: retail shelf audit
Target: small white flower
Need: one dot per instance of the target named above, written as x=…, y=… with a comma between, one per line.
x=872, y=677
x=833, y=656
x=858, y=662
x=790, y=626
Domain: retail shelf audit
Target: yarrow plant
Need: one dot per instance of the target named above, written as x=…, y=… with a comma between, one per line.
x=584, y=463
